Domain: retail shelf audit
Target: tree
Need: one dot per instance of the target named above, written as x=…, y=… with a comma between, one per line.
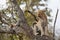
x=14, y=21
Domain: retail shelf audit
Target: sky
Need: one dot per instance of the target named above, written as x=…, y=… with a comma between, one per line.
x=52, y=4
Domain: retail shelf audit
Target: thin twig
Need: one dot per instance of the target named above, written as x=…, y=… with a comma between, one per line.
x=55, y=24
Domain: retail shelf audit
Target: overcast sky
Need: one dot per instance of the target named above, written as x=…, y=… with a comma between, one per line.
x=52, y=4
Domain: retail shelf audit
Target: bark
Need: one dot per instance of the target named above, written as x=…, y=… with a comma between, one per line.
x=22, y=21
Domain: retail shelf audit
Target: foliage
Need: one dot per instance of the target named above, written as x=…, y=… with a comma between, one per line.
x=29, y=18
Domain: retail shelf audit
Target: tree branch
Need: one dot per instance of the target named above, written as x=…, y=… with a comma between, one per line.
x=22, y=20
